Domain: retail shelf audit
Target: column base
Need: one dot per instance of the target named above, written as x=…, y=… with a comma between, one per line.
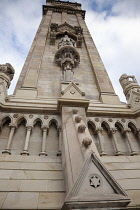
x=134, y=153
x=25, y=152
x=119, y=153
x=42, y=153
x=59, y=153
x=103, y=154
x=6, y=151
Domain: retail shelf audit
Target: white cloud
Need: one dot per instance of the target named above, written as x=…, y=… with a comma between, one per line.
x=114, y=26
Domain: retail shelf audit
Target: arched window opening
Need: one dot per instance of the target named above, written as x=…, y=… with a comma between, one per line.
x=35, y=139
x=122, y=139
x=94, y=135
x=18, y=141
x=134, y=137
x=52, y=143
x=4, y=133
x=108, y=140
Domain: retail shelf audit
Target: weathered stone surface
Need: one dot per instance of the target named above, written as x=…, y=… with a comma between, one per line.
x=21, y=200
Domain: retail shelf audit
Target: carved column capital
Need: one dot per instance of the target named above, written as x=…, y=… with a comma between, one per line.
x=29, y=127
x=127, y=130
x=113, y=130
x=13, y=126
x=99, y=129
x=45, y=128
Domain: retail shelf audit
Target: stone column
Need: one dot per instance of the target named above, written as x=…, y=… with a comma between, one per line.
x=99, y=130
x=60, y=141
x=12, y=131
x=133, y=152
x=43, y=150
x=25, y=151
x=118, y=151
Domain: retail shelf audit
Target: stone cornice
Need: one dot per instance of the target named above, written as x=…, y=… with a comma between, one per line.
x=43, y=105
x=60, y=9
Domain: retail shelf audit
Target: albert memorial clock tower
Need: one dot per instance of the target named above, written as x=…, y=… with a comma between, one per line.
x=66, y=140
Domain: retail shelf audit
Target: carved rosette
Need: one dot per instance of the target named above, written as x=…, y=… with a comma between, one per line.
x=8, y=70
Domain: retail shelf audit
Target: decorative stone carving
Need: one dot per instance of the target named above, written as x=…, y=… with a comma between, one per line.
x=31, y=116
x=65, y=27
x=7, y=69
x=75, y=111
x=128, y=84
x=125, y=80
x=78, y=119
x=53, y=27
x=96, y=119
x=81, y=128
x=110, y=120
x=68, y=58
x=95, y=181
x=86, y=142
x=46, y=117
x=66, y=40
x=123, y=120
x=15, y=115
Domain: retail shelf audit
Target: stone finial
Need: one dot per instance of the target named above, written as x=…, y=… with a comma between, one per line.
x=128, y=84
x=8, y=70
x=126, y=80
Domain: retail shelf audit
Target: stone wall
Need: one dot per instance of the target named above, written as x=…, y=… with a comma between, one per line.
x=31, y=182
x=126, y=170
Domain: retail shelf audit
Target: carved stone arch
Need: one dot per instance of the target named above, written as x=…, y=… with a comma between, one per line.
x=92, y=123
x=20, y=119
x=65, y=27
x=54, y=120
x=4, y=119
x=133, y=126
x=120, y=125
x=75, y=32
x=37, y=119
x=106, y=124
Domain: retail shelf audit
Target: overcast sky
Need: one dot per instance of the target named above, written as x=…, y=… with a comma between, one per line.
x=114, y=26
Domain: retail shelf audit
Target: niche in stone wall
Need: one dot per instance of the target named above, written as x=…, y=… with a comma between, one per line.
x=122, y=139
x=18, y=141
x=52, y=143
x=4, y=133
x=35, y=139
x=134, y=137
x=94, y=135
x=108, y=140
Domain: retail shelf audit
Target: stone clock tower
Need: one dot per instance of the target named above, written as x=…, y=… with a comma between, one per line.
x=67, y=141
